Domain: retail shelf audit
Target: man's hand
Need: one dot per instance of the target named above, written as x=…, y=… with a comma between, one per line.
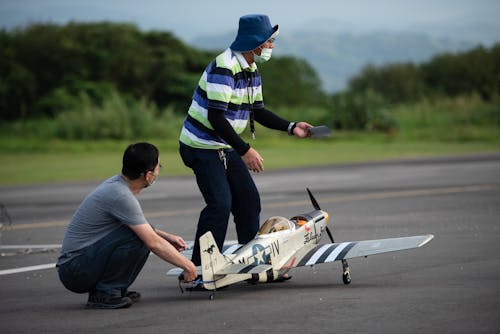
x=177, y=242
x=166, y=246
x=173, y=239
x=190, y=273
x=302, y=130
x=253, y=160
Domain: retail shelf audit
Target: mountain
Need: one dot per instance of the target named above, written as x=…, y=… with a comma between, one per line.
x=341, y=55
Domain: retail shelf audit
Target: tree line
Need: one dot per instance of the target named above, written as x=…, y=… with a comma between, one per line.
x=474, y=71
x=47, y=69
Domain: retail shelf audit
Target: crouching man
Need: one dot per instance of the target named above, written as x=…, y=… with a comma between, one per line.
x=108, y=239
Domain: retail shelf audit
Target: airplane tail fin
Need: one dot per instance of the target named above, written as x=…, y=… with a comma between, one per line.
x=211, y=260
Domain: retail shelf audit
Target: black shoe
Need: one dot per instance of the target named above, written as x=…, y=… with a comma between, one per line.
x=99, y=300
x=133, y=295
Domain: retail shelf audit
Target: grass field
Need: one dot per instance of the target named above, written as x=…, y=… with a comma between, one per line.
x=443, y=127
x=76, y=162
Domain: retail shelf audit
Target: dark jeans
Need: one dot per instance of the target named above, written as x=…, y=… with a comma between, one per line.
x=109, y=266
x=225, y=191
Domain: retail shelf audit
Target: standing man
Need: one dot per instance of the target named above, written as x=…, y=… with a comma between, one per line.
x=228, y=96
x=108, y=239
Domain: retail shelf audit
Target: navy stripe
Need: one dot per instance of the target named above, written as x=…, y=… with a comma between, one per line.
x=323, y=257
x=247, y=269
x=219, y=105
x=219, y=70
x=308, y=256
x=219, y=79
x=344, y=252
x=269, y=275
x=201, y=93
x=203, y=132
x=226, y=247
x=240, y=77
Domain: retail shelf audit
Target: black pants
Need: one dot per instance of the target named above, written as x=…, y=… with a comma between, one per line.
x=109, y=266
x=225, y=190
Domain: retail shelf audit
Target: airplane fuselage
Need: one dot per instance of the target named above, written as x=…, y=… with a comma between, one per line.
x=280, y=249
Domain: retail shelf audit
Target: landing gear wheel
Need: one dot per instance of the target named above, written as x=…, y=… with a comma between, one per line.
x=346, y=277
x=346, y=273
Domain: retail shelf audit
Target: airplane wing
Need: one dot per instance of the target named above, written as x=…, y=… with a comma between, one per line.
x=338, y=251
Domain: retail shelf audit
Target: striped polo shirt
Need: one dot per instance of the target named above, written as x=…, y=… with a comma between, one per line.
x=228, y=84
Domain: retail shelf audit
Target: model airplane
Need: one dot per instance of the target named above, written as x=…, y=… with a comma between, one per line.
x=282, y=244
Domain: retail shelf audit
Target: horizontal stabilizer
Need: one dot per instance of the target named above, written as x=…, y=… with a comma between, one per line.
x=346, y=250
x=177, y=271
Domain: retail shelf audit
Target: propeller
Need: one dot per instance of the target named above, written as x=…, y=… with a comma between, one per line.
x=313, y=200
x=317, y=207
x=346, y=276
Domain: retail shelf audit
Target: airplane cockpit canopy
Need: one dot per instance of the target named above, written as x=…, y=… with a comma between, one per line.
x=276, y=224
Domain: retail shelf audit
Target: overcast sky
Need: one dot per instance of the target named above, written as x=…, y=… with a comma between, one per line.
x=190, y=18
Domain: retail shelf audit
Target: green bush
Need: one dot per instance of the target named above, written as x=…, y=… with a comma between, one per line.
x=117, y=118
x=462, y=118
x=361, y=111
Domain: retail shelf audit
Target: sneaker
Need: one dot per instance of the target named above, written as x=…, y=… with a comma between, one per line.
x=99, y=300
x=133, y=295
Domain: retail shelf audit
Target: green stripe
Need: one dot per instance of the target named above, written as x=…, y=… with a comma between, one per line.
x=199, y=117
x=189, y=142
x=234, y=65
x=240, y=129
x=218, y=96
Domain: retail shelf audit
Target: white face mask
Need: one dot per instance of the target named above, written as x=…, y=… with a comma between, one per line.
x=265, y=55
x=154, y=180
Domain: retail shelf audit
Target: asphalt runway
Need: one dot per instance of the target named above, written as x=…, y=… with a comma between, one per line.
x=451, y=285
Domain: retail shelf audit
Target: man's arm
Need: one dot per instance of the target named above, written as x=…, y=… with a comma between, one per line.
x=270, y=119
x=173, y=239
x=225, y=131
x=165, y=250
x=273, y=121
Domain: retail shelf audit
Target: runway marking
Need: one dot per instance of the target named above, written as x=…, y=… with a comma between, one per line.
x=30, y=268
x=51, y=246
x=350, y=198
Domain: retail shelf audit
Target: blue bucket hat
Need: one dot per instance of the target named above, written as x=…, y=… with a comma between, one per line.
x=253, y=31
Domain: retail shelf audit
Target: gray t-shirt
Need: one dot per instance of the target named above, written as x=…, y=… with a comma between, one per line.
x=104, y=210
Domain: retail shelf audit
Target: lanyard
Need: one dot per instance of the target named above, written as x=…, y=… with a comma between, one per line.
x=250, y=102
